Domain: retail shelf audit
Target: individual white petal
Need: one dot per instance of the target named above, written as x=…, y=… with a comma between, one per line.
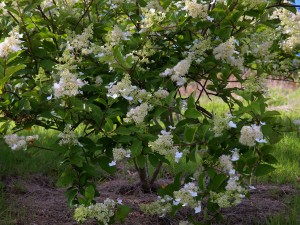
x=112, y=163
x=172, y=128
x=198, y=209
x=193, y=193
x=164, y=132
x=49, y=97
x=232, y=171
x=231, y=124
x=261, y=140
x=120, y=201
x=178, y=156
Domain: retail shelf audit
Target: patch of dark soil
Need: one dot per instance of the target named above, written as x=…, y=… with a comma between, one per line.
x=44, y=204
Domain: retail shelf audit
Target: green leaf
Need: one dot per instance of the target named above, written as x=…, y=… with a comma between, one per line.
x=217, y=181
x=71, y=194
x=104, y=164
x=142, y=3
x=109, y=125
x=67, y=178
x=136, y=148
x=97, y=113
x=189, y=133
x=201, y=181
x=263, y=169
x=13, y=69
x=140, y=160
x=191, y=102
x=24, y=104
x=76, y=160
x=120, y=58
x=123, y=131
x=268, y=158
x=121, y=213
x=154, y=161
x=272, y=135
x=192, y=113
x=89, y=192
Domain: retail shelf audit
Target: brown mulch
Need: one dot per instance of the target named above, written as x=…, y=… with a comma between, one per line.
x=36, y=201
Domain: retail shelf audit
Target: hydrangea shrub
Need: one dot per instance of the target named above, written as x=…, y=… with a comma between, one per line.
x=117, y=69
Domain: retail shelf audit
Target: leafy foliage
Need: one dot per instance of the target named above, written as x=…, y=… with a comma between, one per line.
x=118, y=70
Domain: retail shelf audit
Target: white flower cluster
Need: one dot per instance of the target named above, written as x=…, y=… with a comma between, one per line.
x=16, y=142
x=151, y=17
x=260, y=44
x=102, y=212
x=80, y=42
x=186, y=195
x=46, y=4
x=290, y=25
x=227, y=199
x=178, y=72
x=68, y=84
x=250, y=135
x=98, y=80
x=154, y=4
x=119, y=154
x=142, y=55
x=221, y=123
x=123, y=88
x=161, y=93
x=195, y=9
x=132, y=93
x=138, y=97
x=114, y=4
x=68, y=137
x=117, y=35
x=196, y=51
x=113, y=38
x=69, y=2
x=234, y=191
x=255, y=83
x=4, y=10
x=226, y=51
x=11, y=44
x=164, y=144
x=160, y=207
x=138, y=113
x=226, y=161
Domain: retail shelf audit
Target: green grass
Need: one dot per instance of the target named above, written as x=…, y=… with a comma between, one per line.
x=32, y=160
x=287, y=153
x=292, y=217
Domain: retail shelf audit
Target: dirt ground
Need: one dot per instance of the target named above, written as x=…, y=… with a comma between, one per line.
x=35, y=200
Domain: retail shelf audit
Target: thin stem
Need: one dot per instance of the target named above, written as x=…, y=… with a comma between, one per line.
x=48, y=149
x=155, y=174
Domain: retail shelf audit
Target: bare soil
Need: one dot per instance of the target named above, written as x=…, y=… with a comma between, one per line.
x=35, y=200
